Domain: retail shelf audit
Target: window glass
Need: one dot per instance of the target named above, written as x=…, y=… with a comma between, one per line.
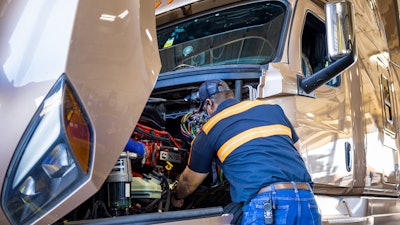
x=248, y=34
x=387, y=104
x=314, y=57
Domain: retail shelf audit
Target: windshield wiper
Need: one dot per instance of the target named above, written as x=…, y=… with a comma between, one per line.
x=182, y=66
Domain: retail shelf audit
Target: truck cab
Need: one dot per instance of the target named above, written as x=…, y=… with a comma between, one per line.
x=338, y=86
x=332, y=66
x=327, y=64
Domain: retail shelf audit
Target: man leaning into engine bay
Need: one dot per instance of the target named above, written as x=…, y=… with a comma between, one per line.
x=254, y=144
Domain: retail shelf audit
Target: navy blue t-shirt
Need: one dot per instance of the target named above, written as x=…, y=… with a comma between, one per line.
x=253, y=142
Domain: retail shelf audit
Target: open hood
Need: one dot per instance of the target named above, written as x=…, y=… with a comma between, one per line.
x=73, y=75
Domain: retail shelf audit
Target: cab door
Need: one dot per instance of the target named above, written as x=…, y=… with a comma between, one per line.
x=324, y=118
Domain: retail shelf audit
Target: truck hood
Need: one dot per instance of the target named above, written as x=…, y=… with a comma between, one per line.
x=108, y=53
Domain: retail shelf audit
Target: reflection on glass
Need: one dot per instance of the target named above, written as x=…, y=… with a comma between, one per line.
x=248, y=34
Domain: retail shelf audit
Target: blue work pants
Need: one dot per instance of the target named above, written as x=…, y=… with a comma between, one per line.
x=291, y=207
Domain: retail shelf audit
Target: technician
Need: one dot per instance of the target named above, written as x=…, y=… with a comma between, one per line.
x=254, y=144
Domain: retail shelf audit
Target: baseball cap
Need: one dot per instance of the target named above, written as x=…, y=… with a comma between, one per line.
x=209, y=88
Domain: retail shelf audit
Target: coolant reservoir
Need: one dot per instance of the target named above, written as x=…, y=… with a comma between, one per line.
x=145, y=188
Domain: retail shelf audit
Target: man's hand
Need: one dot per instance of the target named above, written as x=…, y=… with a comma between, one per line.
x=189, y=180
x=177, y=203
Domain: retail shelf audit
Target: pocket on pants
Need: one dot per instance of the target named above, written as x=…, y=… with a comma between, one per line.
x=253, y=213
x=281, y=214
x=314, y=211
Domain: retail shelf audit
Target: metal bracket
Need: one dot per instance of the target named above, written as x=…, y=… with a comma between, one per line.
x=301, y=92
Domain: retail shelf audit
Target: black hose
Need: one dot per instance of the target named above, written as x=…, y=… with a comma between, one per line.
x=151, y=205
x=153, y=156
x=167, y=189
x=168, y=200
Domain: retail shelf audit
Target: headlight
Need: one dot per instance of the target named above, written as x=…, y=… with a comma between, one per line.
x=52, y=159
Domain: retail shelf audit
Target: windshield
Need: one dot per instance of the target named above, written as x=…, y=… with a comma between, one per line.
x=248, y=34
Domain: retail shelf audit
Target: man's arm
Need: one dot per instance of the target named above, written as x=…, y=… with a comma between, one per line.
x=187, y=184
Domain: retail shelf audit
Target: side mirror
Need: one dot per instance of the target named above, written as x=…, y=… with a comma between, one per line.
x=340, y=29
x=341, y=46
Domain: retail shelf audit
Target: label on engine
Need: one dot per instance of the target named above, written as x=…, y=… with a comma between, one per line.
x=170, y=156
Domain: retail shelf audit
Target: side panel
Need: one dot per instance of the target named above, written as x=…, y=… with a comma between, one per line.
x=348, y=129
x=378, y=102
x=389, y=12
x=325, y=122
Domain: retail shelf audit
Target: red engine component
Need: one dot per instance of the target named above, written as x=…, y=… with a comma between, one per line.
x=163, y=152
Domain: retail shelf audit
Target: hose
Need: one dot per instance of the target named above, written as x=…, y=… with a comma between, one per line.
x=168, y=200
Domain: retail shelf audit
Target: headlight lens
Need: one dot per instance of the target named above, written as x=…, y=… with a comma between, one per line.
x=52, y=159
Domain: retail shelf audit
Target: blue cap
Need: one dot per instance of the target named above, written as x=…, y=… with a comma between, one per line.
x=209, y=88
x=135, y=146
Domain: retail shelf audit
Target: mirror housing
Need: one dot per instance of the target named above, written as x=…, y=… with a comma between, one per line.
x=340, y=29
x=340, y=42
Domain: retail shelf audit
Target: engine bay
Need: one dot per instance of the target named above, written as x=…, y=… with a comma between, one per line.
x=158, y=150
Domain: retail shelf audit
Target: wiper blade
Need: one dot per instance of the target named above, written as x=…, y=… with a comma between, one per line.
x=182, y=66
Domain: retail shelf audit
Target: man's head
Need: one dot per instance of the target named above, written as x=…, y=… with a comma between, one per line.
x=213, y=92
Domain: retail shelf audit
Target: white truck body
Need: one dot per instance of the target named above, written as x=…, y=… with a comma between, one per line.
x=342, y=97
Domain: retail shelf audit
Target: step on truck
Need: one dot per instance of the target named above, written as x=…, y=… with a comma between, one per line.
x=99, y=104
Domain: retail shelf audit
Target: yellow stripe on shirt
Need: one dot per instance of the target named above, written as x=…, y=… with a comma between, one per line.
x=251, y=134
x=230, y=111
x=190, y=153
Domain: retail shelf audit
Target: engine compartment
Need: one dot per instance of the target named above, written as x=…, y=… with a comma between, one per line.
x=158, y=150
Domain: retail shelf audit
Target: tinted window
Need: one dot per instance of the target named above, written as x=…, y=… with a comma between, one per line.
x=248, y=34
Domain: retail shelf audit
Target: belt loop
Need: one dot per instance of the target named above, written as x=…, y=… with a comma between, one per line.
x=273, y=188
x=294, y=187
x=309, y=187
